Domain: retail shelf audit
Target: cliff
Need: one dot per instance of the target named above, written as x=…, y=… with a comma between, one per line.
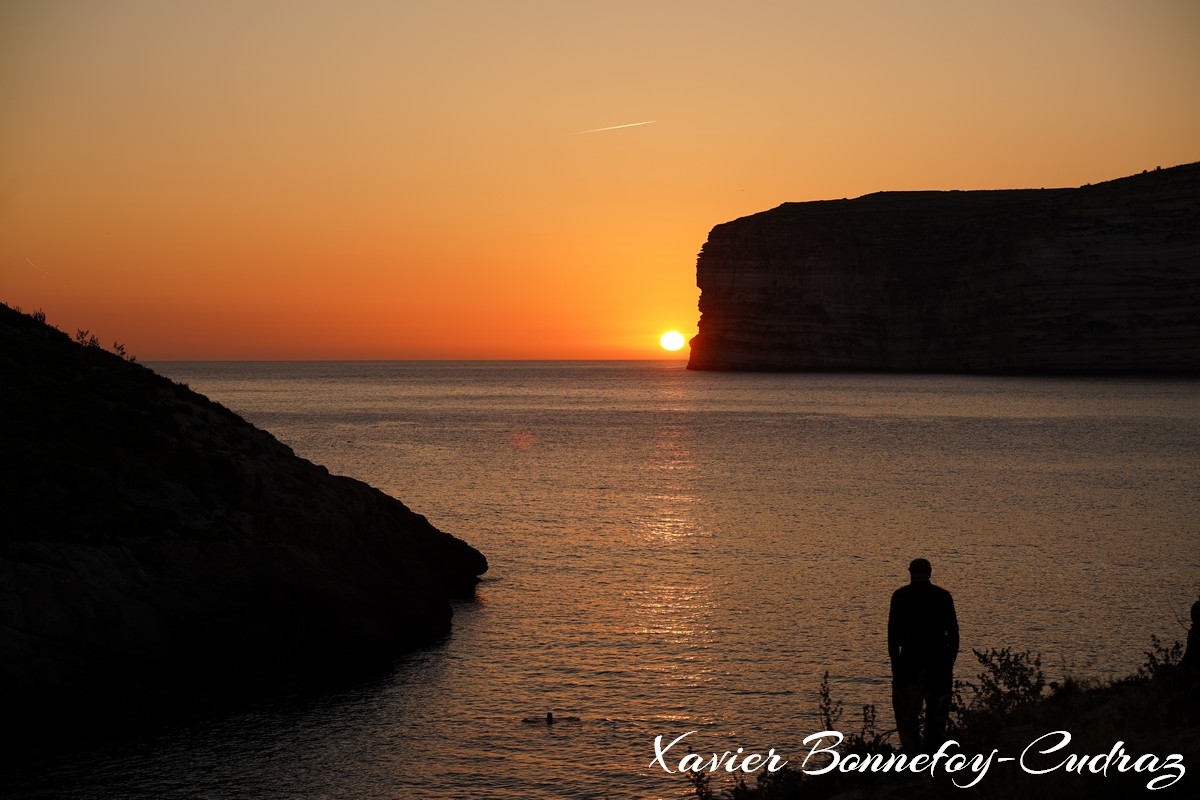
x=159, y=553
x=1103, y=279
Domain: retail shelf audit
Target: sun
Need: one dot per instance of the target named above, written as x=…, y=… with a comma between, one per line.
x=671, y=340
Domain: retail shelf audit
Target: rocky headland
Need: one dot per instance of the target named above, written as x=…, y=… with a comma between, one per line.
x=1100, y=279
x=158, y=553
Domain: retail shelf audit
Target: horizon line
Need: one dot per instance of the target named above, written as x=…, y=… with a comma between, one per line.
x=388, y=360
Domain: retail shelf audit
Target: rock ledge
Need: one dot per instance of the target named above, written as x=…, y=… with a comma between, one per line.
x=1099, y=279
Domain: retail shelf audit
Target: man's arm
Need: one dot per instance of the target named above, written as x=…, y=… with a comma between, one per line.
x=951, y=629
x=893, y=631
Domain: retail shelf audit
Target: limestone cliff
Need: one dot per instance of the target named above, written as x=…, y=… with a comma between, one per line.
x=1103, y=278
x=157, y=552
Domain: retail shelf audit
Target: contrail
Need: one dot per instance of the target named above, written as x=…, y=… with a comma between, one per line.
x=616, y=127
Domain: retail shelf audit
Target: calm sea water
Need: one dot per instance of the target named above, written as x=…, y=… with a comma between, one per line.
x=676, y=551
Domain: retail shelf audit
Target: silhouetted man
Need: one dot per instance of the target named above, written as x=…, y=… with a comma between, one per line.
x=923, y=644
x=1189, y=665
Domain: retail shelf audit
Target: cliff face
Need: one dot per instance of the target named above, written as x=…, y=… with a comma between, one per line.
x=158, y=552
x=1104, y=278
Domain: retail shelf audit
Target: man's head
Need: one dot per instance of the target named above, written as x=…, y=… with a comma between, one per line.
x=920, y=569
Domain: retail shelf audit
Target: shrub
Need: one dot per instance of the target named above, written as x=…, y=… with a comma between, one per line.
x=830, y=710
x=119, y=349
x=1159, y=658
x=86, y=338
x=1009, y=687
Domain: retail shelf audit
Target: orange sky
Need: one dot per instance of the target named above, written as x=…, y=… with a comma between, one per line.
x=371, y=179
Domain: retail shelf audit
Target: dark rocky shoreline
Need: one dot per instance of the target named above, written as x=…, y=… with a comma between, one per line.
x=1103, y=279
x=160, y=554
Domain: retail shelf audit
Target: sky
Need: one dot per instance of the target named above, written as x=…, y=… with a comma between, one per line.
x=408, y=180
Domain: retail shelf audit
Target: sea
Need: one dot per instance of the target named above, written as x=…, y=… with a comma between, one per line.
x=675, y=552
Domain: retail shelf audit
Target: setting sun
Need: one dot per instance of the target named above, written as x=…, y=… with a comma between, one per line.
x=672, y=340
